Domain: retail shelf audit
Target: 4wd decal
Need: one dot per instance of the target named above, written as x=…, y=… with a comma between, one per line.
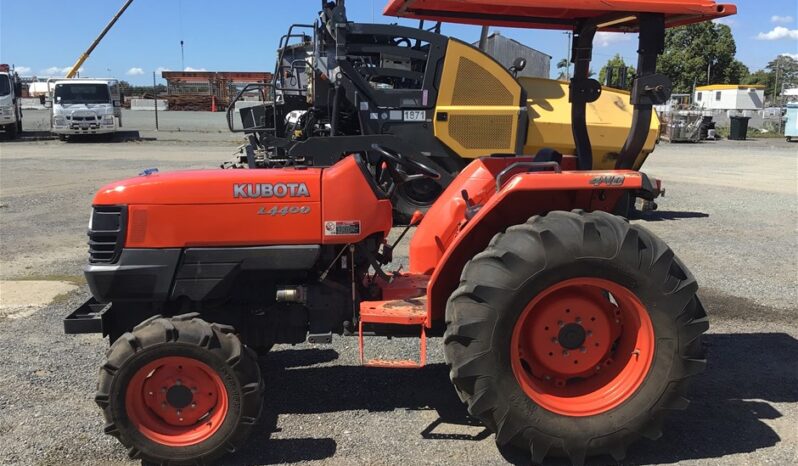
x=607, y=180
x=257, y=190
x=338, y=228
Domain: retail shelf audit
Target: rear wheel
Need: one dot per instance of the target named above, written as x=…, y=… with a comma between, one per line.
x=572, y=335
x=180, y=390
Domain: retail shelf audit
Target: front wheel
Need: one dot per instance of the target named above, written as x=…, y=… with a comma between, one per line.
x=572, y=335
x=180, y=390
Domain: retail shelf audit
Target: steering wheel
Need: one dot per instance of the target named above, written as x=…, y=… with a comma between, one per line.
x=422, y=171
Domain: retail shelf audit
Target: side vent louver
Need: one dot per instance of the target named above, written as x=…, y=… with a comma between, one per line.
x=106, y=236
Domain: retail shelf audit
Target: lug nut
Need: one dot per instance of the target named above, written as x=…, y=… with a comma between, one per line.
x=178, y=382
x=565, y=352
x=583, y=349
x=150, y=393
x=554, y=340
x=193, y=405
x=561, y=323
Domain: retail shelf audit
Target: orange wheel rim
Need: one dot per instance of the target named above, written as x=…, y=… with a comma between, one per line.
x=176, y=401
x=582, y=347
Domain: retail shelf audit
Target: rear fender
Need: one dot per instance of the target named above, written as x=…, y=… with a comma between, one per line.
x=524, y=196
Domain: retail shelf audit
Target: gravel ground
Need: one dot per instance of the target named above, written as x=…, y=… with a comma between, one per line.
x=730, y=214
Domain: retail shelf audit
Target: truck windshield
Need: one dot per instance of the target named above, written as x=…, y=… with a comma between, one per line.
x=5, y=85
x=82, y=94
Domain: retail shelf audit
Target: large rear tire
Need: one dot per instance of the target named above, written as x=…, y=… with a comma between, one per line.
x=180, y=390
x=573, y=334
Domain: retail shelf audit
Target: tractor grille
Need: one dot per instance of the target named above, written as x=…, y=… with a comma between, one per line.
x=107, y=233
x=482, y=131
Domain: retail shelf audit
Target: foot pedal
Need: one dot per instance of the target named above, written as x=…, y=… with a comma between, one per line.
x=396, y=312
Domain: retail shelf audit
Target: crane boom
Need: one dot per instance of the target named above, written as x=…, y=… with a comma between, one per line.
x=73, y=71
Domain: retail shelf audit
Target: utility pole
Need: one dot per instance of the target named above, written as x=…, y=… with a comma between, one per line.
x=568, y=56
x=709, y=71
x=776, y=82
x=155, y=99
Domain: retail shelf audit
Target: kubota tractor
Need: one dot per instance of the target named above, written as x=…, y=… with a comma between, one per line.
x=338, y=87
x=567, y=330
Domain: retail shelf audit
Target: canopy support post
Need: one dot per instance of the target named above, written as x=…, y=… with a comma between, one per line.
x=649, y=88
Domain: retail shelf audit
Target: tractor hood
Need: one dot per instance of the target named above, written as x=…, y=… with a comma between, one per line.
x=214, y=187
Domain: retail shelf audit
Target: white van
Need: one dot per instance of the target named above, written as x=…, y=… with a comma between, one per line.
x=85, y=106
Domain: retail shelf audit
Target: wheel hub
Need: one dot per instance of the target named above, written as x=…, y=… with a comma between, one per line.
x=179, y=396
x=571, y=336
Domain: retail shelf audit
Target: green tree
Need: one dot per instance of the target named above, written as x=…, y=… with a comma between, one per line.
x=784, y=66
x=615, y=63
x=563, y=65
x=701, y=53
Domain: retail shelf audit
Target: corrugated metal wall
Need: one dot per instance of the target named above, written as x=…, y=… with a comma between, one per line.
x=505, y=51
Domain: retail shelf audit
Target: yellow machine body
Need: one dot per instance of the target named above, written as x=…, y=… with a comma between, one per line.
x=479, y=111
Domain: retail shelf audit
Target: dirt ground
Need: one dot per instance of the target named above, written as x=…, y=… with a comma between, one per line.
x=730, y=213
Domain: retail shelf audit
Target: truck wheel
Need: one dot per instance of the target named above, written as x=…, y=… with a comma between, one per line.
x=573, y=334
x=180, y=390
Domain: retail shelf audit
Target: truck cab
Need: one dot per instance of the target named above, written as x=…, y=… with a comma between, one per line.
x=85, y=106
x=10, y=105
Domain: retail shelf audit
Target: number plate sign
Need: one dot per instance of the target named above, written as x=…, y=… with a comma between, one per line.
x=415, y=115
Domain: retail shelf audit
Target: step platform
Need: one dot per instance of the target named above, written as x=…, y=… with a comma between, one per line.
x=409, y=311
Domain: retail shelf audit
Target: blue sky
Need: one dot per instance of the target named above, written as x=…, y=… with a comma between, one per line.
x=43, y=37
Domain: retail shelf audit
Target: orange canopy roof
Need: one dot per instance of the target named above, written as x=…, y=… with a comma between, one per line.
x=610, y=15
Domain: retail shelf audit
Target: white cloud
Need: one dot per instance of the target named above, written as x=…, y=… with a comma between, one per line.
x=776, y=19
x=778, y=32
x=57, y=71
x=22, y=70
x=188, y=68
x=605, y=39
x=794, y=56
x=135, y=71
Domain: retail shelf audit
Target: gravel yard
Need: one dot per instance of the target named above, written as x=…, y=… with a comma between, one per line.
x=731, y=214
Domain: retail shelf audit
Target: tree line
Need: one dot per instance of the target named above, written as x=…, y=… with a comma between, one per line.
x=698, y=55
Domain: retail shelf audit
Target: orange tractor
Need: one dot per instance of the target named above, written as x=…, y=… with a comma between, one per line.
x=567, y=330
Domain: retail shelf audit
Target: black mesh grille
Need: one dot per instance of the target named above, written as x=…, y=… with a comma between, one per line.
x=107, y=233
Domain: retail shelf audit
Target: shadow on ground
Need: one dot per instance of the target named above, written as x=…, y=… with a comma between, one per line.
x=661, y=215
x=745, y=374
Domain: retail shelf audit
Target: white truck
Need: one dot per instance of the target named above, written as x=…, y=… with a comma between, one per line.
x=10, y=103
x=85, y=106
